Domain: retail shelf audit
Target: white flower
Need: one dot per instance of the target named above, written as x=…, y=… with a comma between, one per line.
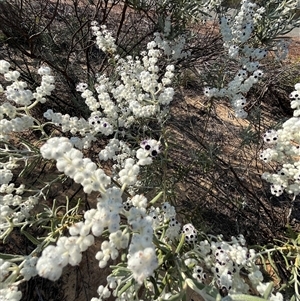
x=261, y=287
x=12, y=76
x=51, y=263
x=129, y=174
x=139, y=201
x=119, y=239
x=10, y=293
x=81, y=87
x=4, y=66
x=29, y=269
x=142, y=264
x=143, y=156
x=70, y=161
x=297, y=86
x=5, y=176
x=277, y=297
x=44, y=70
x=104, y=39
x=16, y=92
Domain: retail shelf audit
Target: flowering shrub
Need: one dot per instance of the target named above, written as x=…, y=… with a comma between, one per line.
x=151, y=255
x=244, y=38
x=284, y=150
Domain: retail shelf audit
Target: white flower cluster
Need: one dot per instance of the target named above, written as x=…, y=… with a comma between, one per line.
x=198, y=272
x=14, y=207
x=174, y=48
x=47, y=84
x=226, y=260
x=128, y=175
x=68, y=250
x=236, y=32
x=17, y=124
x=149, y=148
x=139, y=92
x=16, y=92
x=110, y=249
x=104, y=39
x=8, y=291
x=285, y=150
x=120, y=152
x=5, y=188
x=110, y=150
x=5, y=176
x=4, y=269
x=142, y=260
x=126, y=169
x=141, y=252
x=21, y=211
x=70, y=161
x=28, y=269
x=68, y=123
x=190, y=234
x=107, y=214
x=7, y=109
x=163, y=215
